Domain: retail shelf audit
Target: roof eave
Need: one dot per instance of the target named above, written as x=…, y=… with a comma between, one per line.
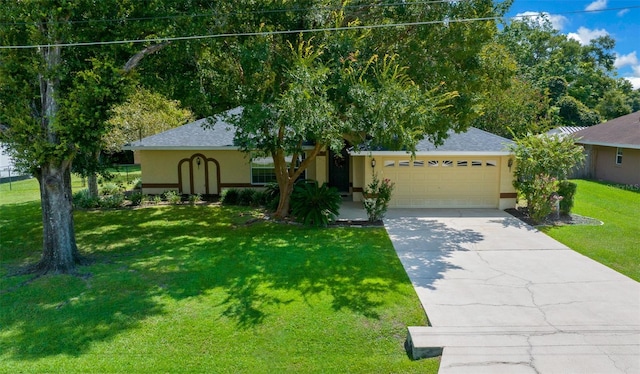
x=605, y=144
x=431, y=153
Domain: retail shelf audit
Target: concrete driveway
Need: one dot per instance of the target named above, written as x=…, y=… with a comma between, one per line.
x=503, y=297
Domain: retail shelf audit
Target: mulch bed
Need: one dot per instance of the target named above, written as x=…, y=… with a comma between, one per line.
x=565, y=219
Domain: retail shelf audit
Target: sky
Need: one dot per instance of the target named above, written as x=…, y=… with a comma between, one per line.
x=585, y=20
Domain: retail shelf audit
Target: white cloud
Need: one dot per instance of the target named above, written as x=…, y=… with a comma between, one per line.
x=624, y=60
x=623, y=12
x=539, y=18
x=597, y=5
x=635, y=82
x=585, y=35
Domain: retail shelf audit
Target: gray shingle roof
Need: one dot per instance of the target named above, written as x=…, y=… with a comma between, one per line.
x=192, y=136
x=473, y=140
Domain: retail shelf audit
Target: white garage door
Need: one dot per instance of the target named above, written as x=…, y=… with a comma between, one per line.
x=443, y=182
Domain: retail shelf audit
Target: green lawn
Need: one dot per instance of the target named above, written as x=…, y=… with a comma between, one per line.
x=183, y=288
x=617, y=242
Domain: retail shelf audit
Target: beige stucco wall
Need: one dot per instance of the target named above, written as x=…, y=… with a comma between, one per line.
x=604, y=165
x=160, y=169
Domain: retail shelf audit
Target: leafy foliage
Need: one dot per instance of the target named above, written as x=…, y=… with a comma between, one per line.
x=173, y=197
x=542, y=160
x=230, y=196
x=315, y=205
x=567, y=190
x=377, y=196
x=543, y=197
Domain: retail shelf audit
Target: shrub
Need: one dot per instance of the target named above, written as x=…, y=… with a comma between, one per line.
x=137, y=184
x=112, y=201
x=172, y=197
x=82, y=200
x=543, y=197
x=157, y=199
x=230, y=197
x=110, y=189
x=137, y=198
x=271, y=196
x=567, y=190
x=377, y=196
x=246, y=196
x=193, y=199
x=315, y=205
x=259, y=198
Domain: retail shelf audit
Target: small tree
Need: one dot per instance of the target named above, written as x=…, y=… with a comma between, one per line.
x=543, y=157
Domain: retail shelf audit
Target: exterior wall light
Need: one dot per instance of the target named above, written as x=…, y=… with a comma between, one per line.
x=373, y=163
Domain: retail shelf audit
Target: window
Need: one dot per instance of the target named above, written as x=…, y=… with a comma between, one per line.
x=463, y=163
x=619, y=156
x=418, y=163
x=403, y=163
x=263, y=170
x=476, y=163
x=433, y=163
x=389, y=163
x=491, y=163
x=447, y=163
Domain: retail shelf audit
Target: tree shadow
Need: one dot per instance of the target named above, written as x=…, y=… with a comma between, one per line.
x=143, y=256
x=425, y=247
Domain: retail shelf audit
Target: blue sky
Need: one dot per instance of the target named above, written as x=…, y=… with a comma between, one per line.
x=585, y=20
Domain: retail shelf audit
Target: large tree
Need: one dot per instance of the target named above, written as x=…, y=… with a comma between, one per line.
x=39, y=74
x=392, y=87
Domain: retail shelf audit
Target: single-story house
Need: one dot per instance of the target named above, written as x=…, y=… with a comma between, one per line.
x=470, y=170
x=613, y=149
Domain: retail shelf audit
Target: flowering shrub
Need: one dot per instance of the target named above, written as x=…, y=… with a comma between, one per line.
x=376, y=198
x=543, y=197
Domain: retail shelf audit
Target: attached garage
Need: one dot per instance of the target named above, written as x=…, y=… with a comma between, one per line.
x=470, y=170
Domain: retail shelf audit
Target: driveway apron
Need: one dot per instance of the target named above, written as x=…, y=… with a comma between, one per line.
x=502, y=297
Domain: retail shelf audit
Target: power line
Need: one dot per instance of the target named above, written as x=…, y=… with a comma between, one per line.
x=298, y=31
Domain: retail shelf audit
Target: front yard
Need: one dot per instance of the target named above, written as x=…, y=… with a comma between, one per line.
x=617, y=242
x=203, y=289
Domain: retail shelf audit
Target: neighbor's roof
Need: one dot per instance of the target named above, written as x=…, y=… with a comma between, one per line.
x=623, y=132
x=565, y=130
x=192, y=136
x=472, y=142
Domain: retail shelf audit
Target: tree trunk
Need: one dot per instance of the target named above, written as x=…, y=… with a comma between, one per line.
x=59, y=250
x=285, y=200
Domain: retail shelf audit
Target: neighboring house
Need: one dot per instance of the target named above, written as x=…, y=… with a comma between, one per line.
x=579, y=171
x=565, y=130
x=613, y=149
x=470, y=170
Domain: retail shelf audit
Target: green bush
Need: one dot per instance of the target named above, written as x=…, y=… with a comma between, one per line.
x=543, y=197
x=110, y=189
x=315, y=205
x=137, y=184
x=112, y=201
x=193, y=199
x=246, y=196
x=230, y=196
x=172, y=197
x=567, y=190
x=271, y=196
x=157, y=199
x=377, y=196
x=137, y=198
x=82, y=200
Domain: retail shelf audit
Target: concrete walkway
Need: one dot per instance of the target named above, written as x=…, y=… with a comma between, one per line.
x=503, y=297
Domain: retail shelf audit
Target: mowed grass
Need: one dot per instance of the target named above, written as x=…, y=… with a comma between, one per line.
x=205, y=289
x=617, y=242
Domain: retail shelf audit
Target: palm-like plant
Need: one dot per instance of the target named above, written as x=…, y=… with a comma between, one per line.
x=315, y=205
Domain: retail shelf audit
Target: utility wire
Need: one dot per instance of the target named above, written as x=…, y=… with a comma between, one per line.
x=298, y=31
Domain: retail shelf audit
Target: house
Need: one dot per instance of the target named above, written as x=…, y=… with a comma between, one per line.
x=470, y=170
x=613, y=149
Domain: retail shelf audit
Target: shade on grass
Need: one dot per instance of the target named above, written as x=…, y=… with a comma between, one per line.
x=182, y=288
x=617, y=242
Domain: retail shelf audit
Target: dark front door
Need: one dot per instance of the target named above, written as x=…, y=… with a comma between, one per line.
x=339, y=170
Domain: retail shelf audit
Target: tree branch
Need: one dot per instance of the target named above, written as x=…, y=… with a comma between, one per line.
x=135, y=59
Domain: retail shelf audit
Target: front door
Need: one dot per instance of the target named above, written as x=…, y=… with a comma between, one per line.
x=339, y=170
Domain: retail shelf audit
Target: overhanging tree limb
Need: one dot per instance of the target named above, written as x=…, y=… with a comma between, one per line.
x=135, y=59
